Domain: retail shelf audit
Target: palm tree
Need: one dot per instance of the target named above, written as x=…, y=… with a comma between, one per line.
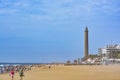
x=93, y=56
x=75, y=61
x=115, y=54
x=68, y=62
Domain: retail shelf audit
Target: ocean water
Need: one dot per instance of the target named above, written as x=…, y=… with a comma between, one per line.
x=20, y=64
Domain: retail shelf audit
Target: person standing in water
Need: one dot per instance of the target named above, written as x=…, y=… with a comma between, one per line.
x=21, y=73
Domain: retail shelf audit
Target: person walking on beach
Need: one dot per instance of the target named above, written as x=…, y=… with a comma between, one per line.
x=21, y=73
x=12, y=73
x=49, y=66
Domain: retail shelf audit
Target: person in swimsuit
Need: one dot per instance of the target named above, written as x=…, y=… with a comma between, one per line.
x=12, y=73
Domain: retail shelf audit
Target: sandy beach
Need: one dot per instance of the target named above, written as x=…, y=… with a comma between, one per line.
x=69, y=73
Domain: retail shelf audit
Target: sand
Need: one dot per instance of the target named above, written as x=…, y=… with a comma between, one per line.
x=69, y=73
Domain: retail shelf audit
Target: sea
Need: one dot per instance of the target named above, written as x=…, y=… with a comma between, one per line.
x=20, y=64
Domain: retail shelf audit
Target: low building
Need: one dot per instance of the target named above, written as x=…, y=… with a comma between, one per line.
x=110, y=51
x=110, y=54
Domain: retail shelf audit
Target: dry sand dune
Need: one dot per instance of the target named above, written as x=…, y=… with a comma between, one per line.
x=70, y=73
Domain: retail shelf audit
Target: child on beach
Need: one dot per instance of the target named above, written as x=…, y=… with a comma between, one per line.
x=12, y=73
x=21, y=73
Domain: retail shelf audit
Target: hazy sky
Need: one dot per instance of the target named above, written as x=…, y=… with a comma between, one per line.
x=53, y=30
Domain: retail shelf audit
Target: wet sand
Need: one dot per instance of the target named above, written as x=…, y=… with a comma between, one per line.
x=69, y=73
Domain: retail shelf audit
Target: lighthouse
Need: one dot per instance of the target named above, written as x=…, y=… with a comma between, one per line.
x=86, y=44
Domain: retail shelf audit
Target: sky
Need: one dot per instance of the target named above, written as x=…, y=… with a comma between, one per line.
x=43, y=31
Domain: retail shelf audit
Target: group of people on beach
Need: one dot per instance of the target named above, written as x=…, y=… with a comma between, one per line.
x=21, y=74
x=7, y=69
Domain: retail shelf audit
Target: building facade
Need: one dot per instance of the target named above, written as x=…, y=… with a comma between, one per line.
x=109, y=51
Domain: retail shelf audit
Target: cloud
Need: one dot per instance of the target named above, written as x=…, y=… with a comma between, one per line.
x=105, y=6
x=13, y=6
x=4, y=11
x=60, y=9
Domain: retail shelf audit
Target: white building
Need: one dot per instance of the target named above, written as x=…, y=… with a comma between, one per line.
x=110, y=54
x=108, y=50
